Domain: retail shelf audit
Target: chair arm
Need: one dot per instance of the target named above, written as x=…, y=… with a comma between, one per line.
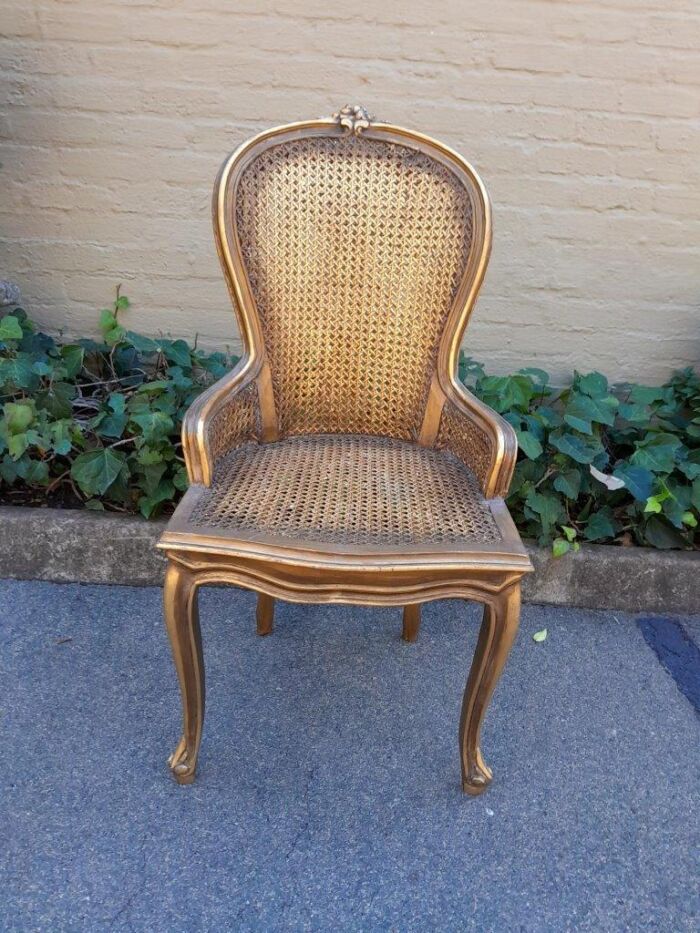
x=225, y=416
x=480, y=438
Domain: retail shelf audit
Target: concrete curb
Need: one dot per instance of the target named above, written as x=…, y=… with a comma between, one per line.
x=71, y=546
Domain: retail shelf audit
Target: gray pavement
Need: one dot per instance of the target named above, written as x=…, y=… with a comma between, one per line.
x=328, y=796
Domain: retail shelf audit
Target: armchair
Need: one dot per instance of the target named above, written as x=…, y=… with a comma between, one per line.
x=342, y=460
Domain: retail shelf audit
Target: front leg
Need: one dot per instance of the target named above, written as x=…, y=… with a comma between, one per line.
x=498, y=630
x=182, y=623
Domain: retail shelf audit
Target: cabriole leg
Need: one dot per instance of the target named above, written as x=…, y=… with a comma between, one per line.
x=264, y=614
x=182, y=623
x=498, y=630
x=411, y=622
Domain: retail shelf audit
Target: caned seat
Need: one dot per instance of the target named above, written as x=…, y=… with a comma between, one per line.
x=360, y=492
x=342, y=460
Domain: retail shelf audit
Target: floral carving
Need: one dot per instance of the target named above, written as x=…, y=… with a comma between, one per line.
x=354, y=119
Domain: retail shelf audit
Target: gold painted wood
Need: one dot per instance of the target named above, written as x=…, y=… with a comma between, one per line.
x=264, y=614
x=411, y=622
x=342, y=460
x=182, y=623
x=498, y=631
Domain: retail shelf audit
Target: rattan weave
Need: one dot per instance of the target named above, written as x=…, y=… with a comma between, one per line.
x=466, y=440
x=236, y=421
x=354, y=249
x=347, y=489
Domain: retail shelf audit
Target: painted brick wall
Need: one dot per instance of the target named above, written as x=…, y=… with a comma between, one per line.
x=582, y=117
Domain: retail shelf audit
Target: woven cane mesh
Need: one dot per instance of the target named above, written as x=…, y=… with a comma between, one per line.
x=236, y=422
x=354, y=250
x=346, y=489
x=466, y=440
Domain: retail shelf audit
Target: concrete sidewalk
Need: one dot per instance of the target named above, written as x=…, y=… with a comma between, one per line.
x=328, y=794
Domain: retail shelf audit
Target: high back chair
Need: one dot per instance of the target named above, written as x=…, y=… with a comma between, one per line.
x=342, y=461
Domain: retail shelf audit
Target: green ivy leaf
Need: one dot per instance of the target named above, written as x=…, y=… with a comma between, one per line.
x=17, y=372
x=148, y=505
x=656, y=452
x=37, y=473
x=8, y=470
x=180, y=480
x=539, y=375
x=568, y=482
x=112, y=423
x=153, y=387
x=96, y=470
x=634, y=413
x=547, y=507
x=18, y=416
x=17, y=444
x=637, y=480
x=593, y=384
x=72, y=356
x=599, y=525
x=111, y=330
x=178, y=352
x=154, y=424
x=61, y=437
x=582, y=410
x=576, y=447
x=151, y=475
x=529, y=444
x=540, y=636
x=690, y=466
x=10, y=328
x=57, y=399
x=143, y=344
x=505, y=392
x=660, y=533
x=41, y=368
x=647, y=395
x=560, y=546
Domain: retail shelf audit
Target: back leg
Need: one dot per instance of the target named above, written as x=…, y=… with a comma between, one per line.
x=411, y=622
x=265, y=614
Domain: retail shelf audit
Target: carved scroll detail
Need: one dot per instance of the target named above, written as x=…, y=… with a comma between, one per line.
x=355, y=119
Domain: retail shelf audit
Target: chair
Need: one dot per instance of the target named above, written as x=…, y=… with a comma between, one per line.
x=342, y=461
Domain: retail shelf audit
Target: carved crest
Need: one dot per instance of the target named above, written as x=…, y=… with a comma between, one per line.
x=354, y=119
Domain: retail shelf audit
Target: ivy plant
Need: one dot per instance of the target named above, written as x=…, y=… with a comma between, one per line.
x=96, y=423
x=600, y=463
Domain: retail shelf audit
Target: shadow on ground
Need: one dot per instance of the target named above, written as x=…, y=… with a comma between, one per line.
x=328, y=796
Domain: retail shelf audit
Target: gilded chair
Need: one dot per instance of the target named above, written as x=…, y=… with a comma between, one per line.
x=342, y=461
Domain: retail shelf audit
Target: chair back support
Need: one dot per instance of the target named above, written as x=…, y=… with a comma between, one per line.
x=349, y=253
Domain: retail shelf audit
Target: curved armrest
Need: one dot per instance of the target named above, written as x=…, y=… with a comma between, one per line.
x=221, y=418
x=481, y=439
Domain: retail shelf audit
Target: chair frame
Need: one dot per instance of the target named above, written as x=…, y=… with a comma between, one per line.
x=338, y=573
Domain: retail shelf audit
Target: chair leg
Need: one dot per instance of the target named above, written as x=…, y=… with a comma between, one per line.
x=411, y=622
x=498, y=630
x=182, y=623
x=265, y=614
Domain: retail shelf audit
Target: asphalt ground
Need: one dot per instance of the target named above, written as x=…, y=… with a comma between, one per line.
x=328, y=794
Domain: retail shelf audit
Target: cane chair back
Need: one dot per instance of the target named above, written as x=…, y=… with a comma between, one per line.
x=354, y=249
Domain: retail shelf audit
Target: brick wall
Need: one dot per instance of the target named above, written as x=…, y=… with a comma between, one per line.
x=582, y=117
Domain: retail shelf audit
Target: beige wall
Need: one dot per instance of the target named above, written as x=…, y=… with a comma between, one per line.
x=582, y=117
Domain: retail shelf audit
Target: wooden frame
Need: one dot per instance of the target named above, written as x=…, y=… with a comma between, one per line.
x=340, y=573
